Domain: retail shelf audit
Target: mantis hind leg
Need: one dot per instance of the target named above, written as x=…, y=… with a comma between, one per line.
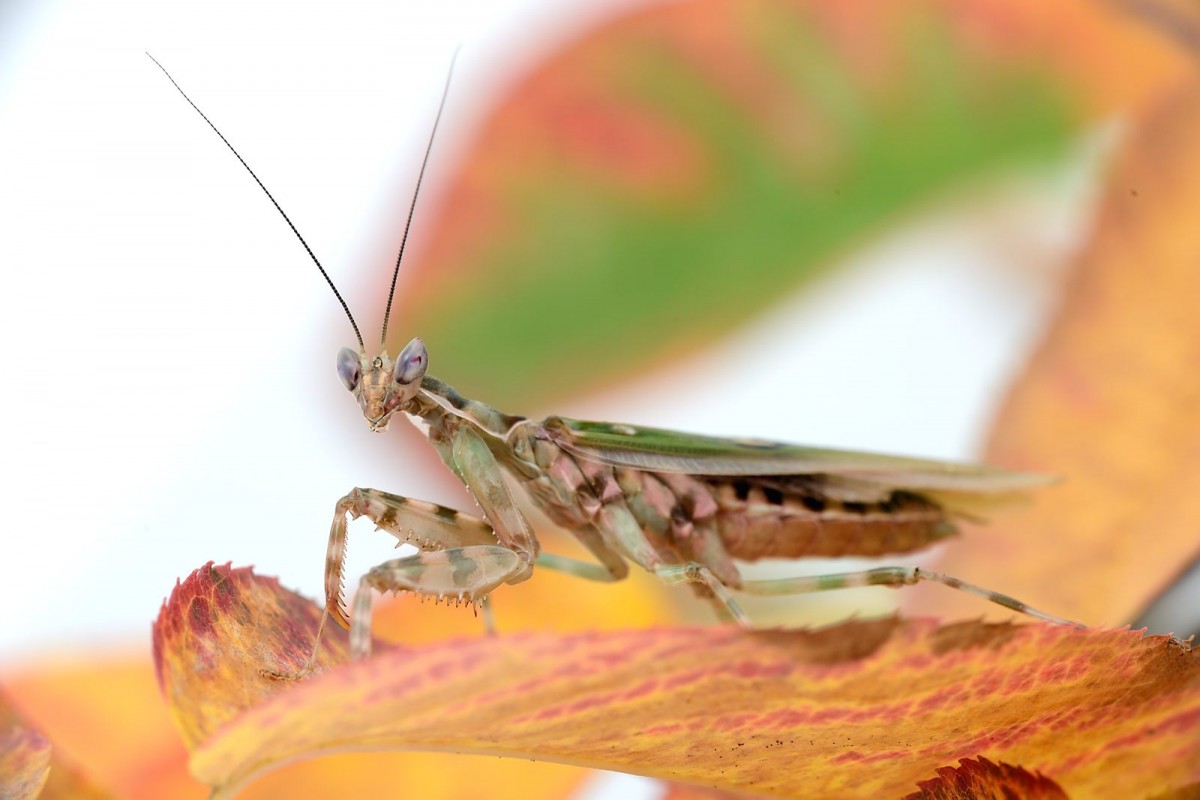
x=617, y=526
x=882, y=576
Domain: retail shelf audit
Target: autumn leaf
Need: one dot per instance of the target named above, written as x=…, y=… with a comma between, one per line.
x=31, y=769
x=218, y=611
x=685, y=791
x=76, y=700
x=204, y=620
x=673, y=171
x=24, y=758
x=877, y=705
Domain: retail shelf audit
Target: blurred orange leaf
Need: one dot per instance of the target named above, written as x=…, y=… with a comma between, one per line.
x=1110, y=400
x=24, y=758
x=75, y=701
x=878, y=705
x=687, y=791
x=31, y=768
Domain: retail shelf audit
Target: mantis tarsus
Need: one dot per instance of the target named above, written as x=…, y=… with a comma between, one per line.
x=682, y=506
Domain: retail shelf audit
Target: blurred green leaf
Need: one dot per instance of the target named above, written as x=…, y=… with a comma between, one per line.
x=650, y=189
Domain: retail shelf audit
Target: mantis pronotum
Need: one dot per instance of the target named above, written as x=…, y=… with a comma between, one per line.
x=682, y=506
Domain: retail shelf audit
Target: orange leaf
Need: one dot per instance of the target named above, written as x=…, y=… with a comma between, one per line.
x=218, y=610
x=684, y=791
x=875, y=705
x=75, y=699
x=24, y=758
x=30, y=768
x=1110, y=400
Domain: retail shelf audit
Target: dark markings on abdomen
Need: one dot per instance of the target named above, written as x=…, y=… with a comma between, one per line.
x=791, y=517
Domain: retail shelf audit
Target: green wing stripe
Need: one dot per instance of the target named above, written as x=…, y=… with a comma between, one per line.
x=661, y=450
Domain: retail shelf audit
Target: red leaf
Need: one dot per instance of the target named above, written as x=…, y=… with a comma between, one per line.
x=980, y=779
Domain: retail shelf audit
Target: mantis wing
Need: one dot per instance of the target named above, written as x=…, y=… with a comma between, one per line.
x=659, y=450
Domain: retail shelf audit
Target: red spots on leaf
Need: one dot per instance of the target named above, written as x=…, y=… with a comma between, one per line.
x=679, y=681
x=643, y=689
x=207, y=668
x=669, y=729
x=752, y=670
x=949, y=697
x=199, y=619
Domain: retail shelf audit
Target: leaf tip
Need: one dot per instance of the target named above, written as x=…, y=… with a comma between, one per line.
x=979, y=778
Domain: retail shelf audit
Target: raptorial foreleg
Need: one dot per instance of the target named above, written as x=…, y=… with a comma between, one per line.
x=427, y=526
x=460, y=556
x=457, y=575
x=462, y=574
x=465, y=572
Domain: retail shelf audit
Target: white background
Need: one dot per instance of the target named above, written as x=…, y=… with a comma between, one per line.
x=169, y=391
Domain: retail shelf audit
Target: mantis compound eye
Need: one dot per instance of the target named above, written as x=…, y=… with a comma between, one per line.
x=411, y=363
x=349, y=368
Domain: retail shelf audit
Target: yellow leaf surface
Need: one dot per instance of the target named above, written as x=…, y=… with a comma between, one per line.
x=874, y=706
x=30, y=767
x=1110, y=401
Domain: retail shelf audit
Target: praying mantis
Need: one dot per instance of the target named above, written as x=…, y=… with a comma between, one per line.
x=684, y=507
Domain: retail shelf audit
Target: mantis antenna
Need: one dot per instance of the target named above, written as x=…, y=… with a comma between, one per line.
x=387, y=311
x=287, y=219
x=283, y=214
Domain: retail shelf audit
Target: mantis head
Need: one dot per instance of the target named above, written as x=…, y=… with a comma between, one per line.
x=380, y=385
